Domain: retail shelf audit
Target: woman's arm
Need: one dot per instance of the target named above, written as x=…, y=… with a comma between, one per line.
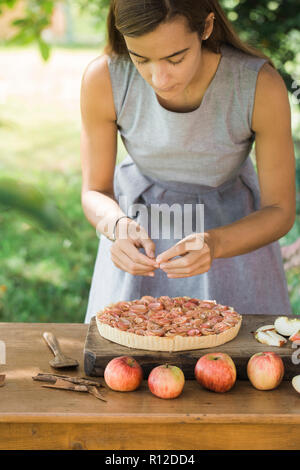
x=276, y=173
x=98, y=147
x=98, y=156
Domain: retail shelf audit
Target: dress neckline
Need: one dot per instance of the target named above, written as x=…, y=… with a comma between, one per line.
x=208, y=90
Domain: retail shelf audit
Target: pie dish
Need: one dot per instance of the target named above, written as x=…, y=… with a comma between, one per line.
x=168, y=323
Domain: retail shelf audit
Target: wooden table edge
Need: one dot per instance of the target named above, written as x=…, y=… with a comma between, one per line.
x=149, y=419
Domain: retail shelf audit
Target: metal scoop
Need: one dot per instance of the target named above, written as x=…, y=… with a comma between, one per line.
x=60, y=360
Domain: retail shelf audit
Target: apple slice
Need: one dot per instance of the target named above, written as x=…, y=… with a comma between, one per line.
x=266, y=328
x=295, y=336
x=287, y=326
x=267, y=335
x=296, y=383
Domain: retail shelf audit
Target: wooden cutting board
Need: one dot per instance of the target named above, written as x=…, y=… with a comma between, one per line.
x=99, y=351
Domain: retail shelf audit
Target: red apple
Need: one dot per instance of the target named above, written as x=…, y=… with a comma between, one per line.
x=216, y=372
x=123, y=374
x=265, y=370
x=166, y=381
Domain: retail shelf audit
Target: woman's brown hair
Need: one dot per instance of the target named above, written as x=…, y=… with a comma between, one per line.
x=135, y=18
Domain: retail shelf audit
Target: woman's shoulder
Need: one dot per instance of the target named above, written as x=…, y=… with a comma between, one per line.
x=100, y=70
x=240, y=60
x=268, y=76
x=271, y=98
x=96, y=87
x=97, y=71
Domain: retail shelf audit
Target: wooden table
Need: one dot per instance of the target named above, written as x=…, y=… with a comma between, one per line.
x=32, y=417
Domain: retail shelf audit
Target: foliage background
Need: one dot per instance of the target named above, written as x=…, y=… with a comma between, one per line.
x=47, y=253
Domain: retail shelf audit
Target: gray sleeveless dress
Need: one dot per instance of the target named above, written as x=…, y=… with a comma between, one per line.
x=198, y=157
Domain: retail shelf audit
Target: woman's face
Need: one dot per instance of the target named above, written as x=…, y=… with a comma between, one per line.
x=169, y=57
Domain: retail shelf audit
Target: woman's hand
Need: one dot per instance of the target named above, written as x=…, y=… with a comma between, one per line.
x=124, y=251
x=196, y=253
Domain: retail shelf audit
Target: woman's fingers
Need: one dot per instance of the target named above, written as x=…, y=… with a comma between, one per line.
x=181, y=263
x=136, y=256
x=191, y=243
x=127, y=257
x=187, y=270
x=122, y=261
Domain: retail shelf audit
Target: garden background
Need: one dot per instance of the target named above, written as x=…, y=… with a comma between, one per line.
x=47, y=247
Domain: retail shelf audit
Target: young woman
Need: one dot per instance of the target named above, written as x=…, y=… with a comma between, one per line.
x=189, y=98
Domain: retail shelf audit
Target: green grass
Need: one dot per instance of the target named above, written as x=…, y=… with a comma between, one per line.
x=44, y=277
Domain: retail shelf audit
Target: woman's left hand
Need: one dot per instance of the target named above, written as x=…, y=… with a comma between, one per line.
x=196, y=253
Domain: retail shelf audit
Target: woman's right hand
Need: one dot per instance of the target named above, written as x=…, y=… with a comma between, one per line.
x=124, y=251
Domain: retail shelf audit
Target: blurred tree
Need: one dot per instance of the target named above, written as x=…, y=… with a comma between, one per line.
x=270, y=25
x=25, y=198
x=35, y=18
x=291, y=255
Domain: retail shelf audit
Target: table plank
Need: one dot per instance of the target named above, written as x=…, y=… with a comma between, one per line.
x=122, y=436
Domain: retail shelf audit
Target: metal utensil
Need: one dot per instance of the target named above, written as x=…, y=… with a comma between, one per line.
x=60, y=360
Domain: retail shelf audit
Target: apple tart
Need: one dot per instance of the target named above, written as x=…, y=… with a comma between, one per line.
x=168, y=323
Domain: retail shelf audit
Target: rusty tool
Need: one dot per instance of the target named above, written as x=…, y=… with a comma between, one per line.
x=60, y=361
